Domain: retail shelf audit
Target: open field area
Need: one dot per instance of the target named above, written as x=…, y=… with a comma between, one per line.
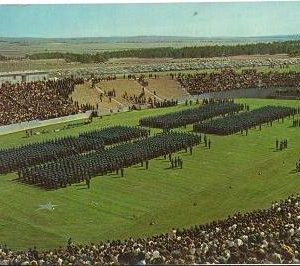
x=116, y=208
x=19, y=47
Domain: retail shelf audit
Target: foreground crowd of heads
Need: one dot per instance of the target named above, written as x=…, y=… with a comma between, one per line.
x=262, y=236
x=229, y=79
x=37, y=100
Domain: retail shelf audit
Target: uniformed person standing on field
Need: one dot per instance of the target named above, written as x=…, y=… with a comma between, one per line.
x=88, y=181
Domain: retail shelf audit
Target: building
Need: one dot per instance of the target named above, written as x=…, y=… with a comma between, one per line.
x=27, y=76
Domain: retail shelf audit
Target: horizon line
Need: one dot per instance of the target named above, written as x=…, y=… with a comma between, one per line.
x=165, y=36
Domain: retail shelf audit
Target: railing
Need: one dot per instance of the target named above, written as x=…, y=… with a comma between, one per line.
x=7, y=129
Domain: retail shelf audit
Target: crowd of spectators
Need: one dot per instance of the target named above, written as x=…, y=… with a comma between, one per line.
x=261, y=236
x=37, y=100
x=170, y=65
x=229, y=79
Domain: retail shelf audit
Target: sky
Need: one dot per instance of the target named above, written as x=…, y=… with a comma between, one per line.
x=164, y=19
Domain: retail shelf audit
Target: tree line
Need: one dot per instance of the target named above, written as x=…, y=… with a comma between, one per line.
x=291, y=48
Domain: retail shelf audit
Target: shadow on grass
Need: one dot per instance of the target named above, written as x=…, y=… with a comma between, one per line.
x=116, y=176
x=274, y=150
x=82, y=188
x=293, y=171
x=34, y=186
x=174, y=168
x=79, y=185
x=41, y=187
x=136, y=166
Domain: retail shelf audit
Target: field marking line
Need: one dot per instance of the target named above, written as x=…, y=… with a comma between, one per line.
x=117, y=102
x=153, y=94
x=48, y=206
x=99, y=90
x=113, y=99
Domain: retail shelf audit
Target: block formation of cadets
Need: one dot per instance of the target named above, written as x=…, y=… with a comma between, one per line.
x=13, y=159
x=192, y=115
x=243, y=121
x=82, y=167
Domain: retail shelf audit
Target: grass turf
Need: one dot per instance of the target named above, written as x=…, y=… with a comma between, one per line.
x=116, y=208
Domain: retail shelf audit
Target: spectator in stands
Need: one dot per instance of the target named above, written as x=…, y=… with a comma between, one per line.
x=262, y=236
x=37, y=100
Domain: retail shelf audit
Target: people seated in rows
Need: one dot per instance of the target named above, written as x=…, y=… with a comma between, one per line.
x=262, y=236
x=229, y=79
x=41, y=100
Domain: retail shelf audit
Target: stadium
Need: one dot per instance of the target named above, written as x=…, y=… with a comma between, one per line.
x=149, y=150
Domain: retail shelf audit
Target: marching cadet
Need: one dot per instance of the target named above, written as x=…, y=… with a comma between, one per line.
x=88, y=181
x=205, y=141
x=175, y=162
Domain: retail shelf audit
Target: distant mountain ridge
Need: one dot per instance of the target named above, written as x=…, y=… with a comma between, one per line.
x=151, y=39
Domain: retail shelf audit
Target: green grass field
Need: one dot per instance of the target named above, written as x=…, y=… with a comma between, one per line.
x=116, y=208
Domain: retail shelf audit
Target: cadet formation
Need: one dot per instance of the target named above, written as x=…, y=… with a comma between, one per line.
x=38, y=153
x=83, y=167
x=245, y=120
x=192, y=115
x=63, y=161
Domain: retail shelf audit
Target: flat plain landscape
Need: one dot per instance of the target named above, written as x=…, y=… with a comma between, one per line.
x=19, y=47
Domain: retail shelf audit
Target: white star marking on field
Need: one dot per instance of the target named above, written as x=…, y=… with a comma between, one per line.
x=48, y=206
x=94, y=204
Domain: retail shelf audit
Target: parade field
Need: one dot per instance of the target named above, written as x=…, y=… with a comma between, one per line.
x=238, y=173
